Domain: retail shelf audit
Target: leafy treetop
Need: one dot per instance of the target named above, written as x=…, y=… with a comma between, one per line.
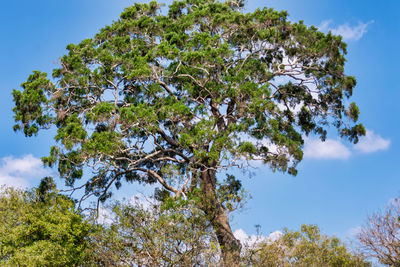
x=159, y=96
x=41, y=228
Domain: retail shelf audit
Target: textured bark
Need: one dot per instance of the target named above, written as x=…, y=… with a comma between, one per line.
x=230, y=246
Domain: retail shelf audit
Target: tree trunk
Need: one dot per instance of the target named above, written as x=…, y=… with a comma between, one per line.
x=229, y=245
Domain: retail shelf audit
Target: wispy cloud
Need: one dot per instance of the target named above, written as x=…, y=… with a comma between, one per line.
x=19, y=172
x=335, y=149
x=330, y=149
x=324, y=26
x=372, y=142
x=347, y=31
x=353, y=232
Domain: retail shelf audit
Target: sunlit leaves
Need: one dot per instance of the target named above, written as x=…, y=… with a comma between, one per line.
x=41, y=228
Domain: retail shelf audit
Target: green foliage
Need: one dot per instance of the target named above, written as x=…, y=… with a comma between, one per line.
x=307, y=247
x=174, y=233
x=29, y=107
x=196, y=80
x=41, y=228
x=353, y=111
x=178, y=96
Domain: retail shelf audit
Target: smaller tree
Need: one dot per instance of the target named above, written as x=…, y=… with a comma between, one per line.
x=307, y=247
x=41, y=228
x=381, y=236
x=152, y=233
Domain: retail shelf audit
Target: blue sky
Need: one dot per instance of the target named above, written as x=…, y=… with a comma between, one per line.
x=338, y=184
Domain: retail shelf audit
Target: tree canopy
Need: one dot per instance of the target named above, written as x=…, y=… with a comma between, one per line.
x=175, y=97
x=150, y=233
x=306, y=247
x=41, y=228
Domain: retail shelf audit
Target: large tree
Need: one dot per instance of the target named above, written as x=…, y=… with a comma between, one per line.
x=176, y=96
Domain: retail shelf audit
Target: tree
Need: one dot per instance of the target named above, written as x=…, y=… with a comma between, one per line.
x=156, y=234
x=41, y=228
x=177, y=97
x=307, y=247
x=380, y=237
x=176, y=233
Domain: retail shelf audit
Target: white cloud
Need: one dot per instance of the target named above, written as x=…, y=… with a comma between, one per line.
x=335, y=149
x=372, y=142
x=275, y=236
x=349, y=33
x=240, y=235
x=105, y=217
x=330, y=149
x=18, y=172
x=324, y=26
x=247, y=240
